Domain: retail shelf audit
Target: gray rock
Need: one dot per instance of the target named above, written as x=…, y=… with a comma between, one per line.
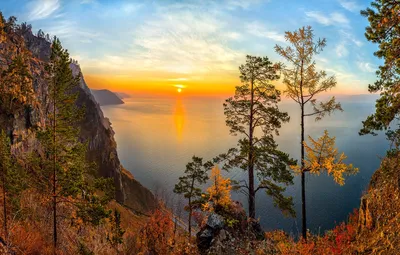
x=204, y=238
x=215, y=221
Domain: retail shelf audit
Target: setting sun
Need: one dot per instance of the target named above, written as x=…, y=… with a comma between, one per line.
x=179, y=87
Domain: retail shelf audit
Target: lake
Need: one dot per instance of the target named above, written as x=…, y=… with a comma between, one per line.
x=157, y=136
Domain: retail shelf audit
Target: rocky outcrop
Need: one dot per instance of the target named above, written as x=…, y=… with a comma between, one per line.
x=96, y=130
x=365, y=216
x=226, y=230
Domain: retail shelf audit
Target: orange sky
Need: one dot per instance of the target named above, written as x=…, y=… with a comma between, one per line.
x=157, y=83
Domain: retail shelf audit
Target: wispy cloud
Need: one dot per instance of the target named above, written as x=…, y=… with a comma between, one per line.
x=178, y=79
x=130, y=8
x=346, y=41
x=258, y=29
x=41, y=9
x=341, y=49
x=244, y=4
x=349, y=37
x=334, y=18
x=366, y=67
x=177, y=41
x=88, y=1
x=65, y=29
x=350, y=5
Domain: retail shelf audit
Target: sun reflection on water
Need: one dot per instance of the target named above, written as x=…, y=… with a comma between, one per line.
x=179, y=118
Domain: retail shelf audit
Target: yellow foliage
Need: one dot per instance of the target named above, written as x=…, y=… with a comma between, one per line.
x=321, y=155
x=219, y=192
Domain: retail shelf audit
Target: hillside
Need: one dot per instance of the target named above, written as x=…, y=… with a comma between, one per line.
x=106, y=97
x=96, y=130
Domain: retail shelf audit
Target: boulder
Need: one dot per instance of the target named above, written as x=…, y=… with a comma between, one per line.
x=206, y=235
x=223, y=229
x=215, y=221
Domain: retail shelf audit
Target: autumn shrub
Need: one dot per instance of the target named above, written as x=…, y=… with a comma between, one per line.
x=334, y=242
x=159, y=237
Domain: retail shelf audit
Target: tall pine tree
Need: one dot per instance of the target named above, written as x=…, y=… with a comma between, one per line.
x=253, y=114
x=384, y=30
x=62, y=162
x=303, y=83
x=13, y=180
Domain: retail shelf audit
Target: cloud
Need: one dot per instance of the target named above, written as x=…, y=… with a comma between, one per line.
x=130, y=8
x=177, y=41
x=328, y=19
x=350, y=5
x=232, y=35
x=349, y=37
x=341, y=49
x=260, y=30
x=178, y=79
x=88, y=1
x=66, y=29
x=366, y=67
x=243, y=4
x=41, y=9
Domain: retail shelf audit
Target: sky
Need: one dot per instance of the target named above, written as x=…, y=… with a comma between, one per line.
x=196, y=46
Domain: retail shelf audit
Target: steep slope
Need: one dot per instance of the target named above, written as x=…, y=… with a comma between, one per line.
x=379, y=214
x=96, y=129
x=106, y=97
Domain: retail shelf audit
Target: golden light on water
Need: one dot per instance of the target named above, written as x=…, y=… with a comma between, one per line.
x=179, y=118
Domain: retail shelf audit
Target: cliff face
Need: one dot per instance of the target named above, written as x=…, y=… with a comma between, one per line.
x=95, y=128
x=379, y=213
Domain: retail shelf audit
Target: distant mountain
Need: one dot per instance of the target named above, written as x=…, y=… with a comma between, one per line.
x=106, y=97
x=122, y=95
x=358, y=98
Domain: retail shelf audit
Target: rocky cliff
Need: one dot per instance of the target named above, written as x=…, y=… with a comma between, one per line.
x=379, y=213
x=95, y=128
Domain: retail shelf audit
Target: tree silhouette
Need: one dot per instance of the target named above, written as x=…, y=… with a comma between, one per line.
x=189, y=185
x=384, y=29
x=253, y=114
x=303, y=82
x=62, y=162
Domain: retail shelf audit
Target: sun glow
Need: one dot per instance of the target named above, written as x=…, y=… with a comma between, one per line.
x=179, y=87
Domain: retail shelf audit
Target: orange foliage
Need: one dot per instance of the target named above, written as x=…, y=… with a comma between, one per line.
x=219, y=192
x=158, y=237
x=334, y=242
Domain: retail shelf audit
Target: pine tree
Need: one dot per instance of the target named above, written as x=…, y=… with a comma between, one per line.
x=384, y=30
x=5, y=165
x=189, y=185
x=62, y=162
x=303, y=82
x=253, y=110
x=117, y=233
x=219, y=193
x=13, y=180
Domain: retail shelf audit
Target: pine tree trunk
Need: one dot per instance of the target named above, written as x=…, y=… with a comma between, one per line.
x=54, y=176
x=5, y=206
x=303, y=182
x=252, y=201
x=190, y=219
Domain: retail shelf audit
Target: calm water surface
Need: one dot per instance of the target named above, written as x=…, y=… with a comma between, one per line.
x=156, y=137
